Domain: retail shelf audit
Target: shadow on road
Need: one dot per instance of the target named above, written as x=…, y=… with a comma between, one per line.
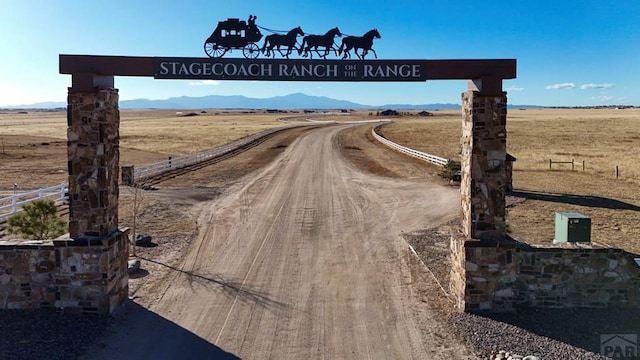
x=230, y=288
x=138, y=333
x=581, y=200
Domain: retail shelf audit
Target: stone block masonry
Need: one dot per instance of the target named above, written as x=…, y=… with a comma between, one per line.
x=91, y=273
x=93, y=153
x=507, y=275
x=83, y=275
x=483, y=165
x=27, y=274
x=128, y=177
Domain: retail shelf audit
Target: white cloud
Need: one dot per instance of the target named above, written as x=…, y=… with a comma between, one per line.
x=204, y=82
x=513, y=88
x=561, y=86
x=602, y=98
x=595, y=86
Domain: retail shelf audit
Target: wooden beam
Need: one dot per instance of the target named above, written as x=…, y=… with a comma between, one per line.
x=471, y=69
x=485, y=75
x=106, y=65
x=144, y=66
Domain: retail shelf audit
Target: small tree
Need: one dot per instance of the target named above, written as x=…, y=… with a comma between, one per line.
x=39, y=220
x=137, y=190
x=137, y=201
x=451, y=171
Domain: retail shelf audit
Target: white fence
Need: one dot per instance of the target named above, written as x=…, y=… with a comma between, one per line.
x=417, y=154
x=13, y=204
x=144, y=172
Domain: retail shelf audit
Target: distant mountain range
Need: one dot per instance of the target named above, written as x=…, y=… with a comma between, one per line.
x=291, y=101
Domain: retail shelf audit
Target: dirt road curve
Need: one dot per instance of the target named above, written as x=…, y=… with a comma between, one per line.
x=304, y=260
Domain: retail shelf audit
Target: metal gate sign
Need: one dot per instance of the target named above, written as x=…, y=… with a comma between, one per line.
x=290, y=69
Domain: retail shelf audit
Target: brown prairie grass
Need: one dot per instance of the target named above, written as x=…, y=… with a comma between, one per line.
x=602, y=138
x=33, y=150
x=181, y=135
x=172, y=134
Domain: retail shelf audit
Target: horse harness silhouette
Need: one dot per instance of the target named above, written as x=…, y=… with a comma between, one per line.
x=235, y=34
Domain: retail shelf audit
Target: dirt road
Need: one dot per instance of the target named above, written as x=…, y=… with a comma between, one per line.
x=304, y=260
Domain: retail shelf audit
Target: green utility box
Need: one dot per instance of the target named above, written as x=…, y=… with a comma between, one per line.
x=572, y=227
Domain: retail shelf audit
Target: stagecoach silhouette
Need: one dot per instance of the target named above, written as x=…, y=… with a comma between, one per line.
x=243, y=35
x=234, y=34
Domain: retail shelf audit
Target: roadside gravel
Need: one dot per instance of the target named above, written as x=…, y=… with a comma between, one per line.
x=44, y=334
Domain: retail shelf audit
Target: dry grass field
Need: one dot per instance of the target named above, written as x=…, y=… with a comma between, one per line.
x=602, y=138
x=33, y=154
x=33, y=149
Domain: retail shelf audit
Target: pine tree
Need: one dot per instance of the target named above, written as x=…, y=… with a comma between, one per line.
x=39, y=220
x=451, y=171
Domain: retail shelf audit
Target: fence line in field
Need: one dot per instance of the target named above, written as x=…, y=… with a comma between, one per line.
x=584, y=167
x=572, y=162
x=417, y=154
x=13, y=204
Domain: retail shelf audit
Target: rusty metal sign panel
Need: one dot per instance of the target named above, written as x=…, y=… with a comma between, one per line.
x=290, y=70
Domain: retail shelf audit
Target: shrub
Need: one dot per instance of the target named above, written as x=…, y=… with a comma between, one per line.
x=39, y=220
x=451, y=171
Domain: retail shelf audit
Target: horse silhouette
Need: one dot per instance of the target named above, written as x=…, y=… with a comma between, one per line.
x=364, y=42
x=277, y=40
x=315, y=41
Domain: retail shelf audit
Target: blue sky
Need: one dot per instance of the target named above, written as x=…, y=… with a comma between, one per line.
x=569, y=52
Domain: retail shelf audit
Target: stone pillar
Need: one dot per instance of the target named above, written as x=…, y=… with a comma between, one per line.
x=128, y=175
x=483, y=165
x=92, y=264
x=93, y=121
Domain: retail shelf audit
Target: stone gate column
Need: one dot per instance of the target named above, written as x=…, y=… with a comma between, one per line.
x=483, y=163
x=91, y=266
x=93, y=121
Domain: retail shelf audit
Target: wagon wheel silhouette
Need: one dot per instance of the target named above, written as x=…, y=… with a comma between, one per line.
x=251, y=50
x=214, y=50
